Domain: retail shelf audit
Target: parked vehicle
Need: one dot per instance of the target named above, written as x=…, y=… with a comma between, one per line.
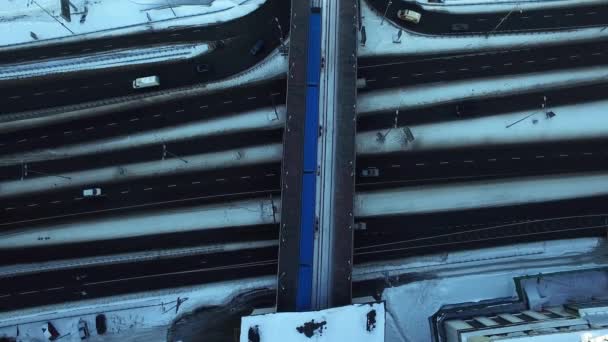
x=409, y=15
x=255, y=49
x=93, y=192
x=370, y=172
x=49, y=331
x=146, y=82
x=361, y=83
x=83, y=330
x=100, y=324
x=460, y=27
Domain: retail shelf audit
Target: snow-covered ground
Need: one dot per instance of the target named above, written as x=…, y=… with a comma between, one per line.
x=456, y=277
x=104, y=60
x=128, y=316
x=570, y=123
x=20, y=18
x=380, y=34
x=489, y=6
x=472, y=89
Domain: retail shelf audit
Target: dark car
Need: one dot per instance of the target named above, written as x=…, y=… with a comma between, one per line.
x=100, y=324
x=255, y=49
x=460, y=27
x=202, y=68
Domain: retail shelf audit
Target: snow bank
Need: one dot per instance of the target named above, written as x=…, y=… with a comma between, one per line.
x=487, y=6
x=104, y=60
x=453, y=92
x=572, y=122
x=19, y=18
x=479, y=194
x=259, y=119
x=212, y=216
x=380, y=39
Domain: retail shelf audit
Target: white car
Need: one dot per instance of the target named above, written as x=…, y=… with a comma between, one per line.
x=146, y=82
x=409, y=15
x=93, y=192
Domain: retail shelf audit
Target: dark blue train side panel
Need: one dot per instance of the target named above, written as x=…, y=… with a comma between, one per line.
x=311, y=135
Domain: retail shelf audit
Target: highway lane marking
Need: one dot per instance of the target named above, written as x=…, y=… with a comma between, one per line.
x=107, y=46
x=89, y=128
x=175, y=35
x=228, y=102
x=531, y=61
x=251, y=98
x=417, y=75
x=574, y=56
x=396, y=166
x=134, y=119
x=203, y=106
x=524, y=17
x=270, y=174
x=443, y=163
x=84, y=87
x=486, y=66
x=156, y=115
x=55, y=202
x=508, y=64
x=27, y=292
x=107, y=84
x=44, y=136
x=552, y=59
x=67, y=132
x=87, y=49
x=179, y=111
x=245, y=177
x=596, y=54
x=38, y=94
x=275, y=94
x=43, y=57
x=197, y=30
x=124, y=192
x=33, y=205
x=9, y=208
x=464, y=69
x=568, y=14
x=587, y=153
x=15, y=97
x=468, y=161
x=371, y=80
x=62, y=90
x=547, y=16
x=196, y=182
x=112, y=124
x=440, y=72
x=515, y=158
x=78, y=198
x=146, y=189
x=4, y=296
x=220, y=179
x=54, y=288
x=21, y=141
x=563, y=155
x=540, y=157
x=591, y=13
x=65, y=53
x=482, y=19
x=171, y=186
x=394, y=77
x=492, y=159
x=419, y=164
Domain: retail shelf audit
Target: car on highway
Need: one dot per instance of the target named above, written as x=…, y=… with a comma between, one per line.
x=361, y=83
x=257, y=47
x=460, y=27
x=92, y=192
x=409, y=16
x=146, y=82
x=370, y=172
x=202, y=68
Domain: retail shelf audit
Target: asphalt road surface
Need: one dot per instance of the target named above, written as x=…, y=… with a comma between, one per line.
x=516, y=21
